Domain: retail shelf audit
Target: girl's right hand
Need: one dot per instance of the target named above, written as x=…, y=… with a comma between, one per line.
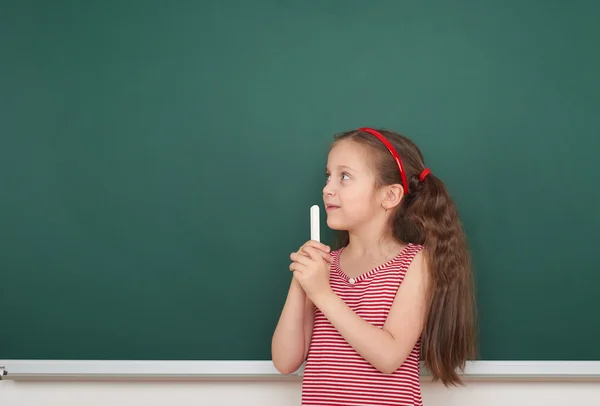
x=324, y=250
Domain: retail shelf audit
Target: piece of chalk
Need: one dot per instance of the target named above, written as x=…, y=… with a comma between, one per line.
x=314, y=223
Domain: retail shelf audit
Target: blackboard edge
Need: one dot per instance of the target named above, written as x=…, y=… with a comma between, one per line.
x=225, y=370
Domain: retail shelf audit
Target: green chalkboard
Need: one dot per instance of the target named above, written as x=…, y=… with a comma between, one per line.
x=159, y=159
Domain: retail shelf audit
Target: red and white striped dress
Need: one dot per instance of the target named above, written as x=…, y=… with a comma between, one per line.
x=335, y=374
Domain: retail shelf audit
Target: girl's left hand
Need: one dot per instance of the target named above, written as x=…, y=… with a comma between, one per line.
x=312, y=272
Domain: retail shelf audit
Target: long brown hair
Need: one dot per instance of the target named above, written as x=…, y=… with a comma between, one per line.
x=428, y=216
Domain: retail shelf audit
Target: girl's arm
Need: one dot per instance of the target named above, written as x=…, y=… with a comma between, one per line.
x=388, y=347
x=291, y=339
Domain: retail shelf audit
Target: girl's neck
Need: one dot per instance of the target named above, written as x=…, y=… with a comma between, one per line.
x=365, y=252
x=372, y=245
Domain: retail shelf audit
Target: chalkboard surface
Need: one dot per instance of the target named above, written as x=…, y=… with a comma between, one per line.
x=159, y=159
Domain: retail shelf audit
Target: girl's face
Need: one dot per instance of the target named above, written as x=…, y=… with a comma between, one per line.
x=350, y=195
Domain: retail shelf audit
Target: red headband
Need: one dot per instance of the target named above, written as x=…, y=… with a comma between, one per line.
x=394, y=153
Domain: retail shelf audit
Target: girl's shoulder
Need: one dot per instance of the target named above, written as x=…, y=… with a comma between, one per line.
x=335, y=255
x=409, y=252
x=336, y=252
x=412, y=248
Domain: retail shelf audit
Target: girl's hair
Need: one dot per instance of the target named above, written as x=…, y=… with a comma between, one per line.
x=428, y=216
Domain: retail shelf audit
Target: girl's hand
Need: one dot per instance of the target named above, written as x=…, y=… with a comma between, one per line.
x=323, y=250
x=311, y=268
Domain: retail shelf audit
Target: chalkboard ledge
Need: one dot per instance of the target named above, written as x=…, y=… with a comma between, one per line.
x=220, y=370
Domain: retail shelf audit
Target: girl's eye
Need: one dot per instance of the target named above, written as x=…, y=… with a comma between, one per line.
x=345, y=176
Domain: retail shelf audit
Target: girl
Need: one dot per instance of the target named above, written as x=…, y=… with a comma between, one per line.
x=397, y=290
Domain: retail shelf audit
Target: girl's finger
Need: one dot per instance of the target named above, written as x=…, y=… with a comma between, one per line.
x=314, y=253
x=300, y=258
x=296, y=267
x=318, y=245
x=325, y=255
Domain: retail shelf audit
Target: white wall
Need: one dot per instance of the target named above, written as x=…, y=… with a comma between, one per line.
x=280, y=393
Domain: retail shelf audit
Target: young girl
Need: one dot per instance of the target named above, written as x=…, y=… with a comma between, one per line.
x=397, y=290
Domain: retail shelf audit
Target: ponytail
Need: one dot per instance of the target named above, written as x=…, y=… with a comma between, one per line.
x=430, y=218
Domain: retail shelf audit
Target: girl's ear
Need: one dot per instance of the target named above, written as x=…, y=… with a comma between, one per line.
x=393, y=196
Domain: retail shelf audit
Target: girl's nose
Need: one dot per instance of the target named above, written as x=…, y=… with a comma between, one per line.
x=328, y=190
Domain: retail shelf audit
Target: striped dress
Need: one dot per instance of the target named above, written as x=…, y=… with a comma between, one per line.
x=334, y=373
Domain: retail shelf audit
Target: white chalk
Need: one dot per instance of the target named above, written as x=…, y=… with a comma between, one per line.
x=314, y=224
